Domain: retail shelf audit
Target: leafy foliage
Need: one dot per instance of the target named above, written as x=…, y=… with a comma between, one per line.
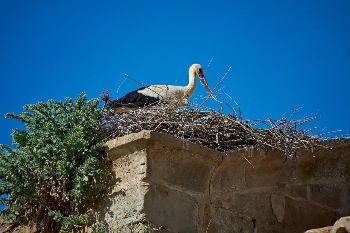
x=52, y=174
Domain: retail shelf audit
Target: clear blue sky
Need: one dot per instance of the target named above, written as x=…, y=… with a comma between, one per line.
x=283, y=54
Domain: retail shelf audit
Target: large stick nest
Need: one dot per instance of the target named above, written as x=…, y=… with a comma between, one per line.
x=213, y=129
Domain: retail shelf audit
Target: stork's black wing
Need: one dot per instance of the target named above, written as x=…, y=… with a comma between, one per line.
x=133, y=99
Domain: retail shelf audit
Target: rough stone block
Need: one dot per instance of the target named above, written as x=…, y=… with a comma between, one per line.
x=329, y=163
x=125, y=202
x=294, y=190
x=125, y=205
x=229, y=177
x=131, y=167
x=255, y=205
x=333, y=195
x=301, y=215
x=185, y=169
x=268, y=171
x=223, y=220
x=172, y=209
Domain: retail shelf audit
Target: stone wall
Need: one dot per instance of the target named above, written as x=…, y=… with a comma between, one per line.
x=185, y=187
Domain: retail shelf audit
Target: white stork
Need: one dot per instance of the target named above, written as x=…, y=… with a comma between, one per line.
x=170, y=94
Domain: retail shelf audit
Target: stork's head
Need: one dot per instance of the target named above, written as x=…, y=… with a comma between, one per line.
x=198, y=71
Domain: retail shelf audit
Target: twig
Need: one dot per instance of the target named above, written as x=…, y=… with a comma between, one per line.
x=212, y=95
x=211, y=60
x=223, y=77
x=129, y=77
x=121, y=85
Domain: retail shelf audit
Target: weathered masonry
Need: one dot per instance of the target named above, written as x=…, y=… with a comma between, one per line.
x=189, y=188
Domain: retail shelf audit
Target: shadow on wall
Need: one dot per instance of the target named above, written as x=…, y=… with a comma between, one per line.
x=99, y=210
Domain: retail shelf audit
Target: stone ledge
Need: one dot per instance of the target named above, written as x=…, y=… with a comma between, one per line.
x=149, y=137
x=252, y=188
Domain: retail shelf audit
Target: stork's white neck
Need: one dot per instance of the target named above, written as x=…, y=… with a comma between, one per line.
x=191, y=84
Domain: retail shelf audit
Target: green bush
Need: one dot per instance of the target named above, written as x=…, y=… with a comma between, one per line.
x=51, y=175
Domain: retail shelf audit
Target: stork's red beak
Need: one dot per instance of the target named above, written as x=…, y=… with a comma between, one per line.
x=204, y=82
